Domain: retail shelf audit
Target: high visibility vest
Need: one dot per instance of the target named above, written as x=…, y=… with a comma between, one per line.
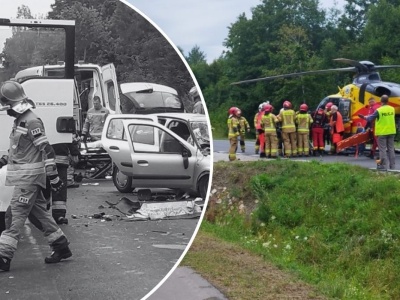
x=386, y=123
x=303, y=121
x=233, y=125
x=258, y=119
x=243, y=124
x=287, y=117
x=268, y=122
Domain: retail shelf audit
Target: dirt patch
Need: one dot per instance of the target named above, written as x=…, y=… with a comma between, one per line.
x=239, y=274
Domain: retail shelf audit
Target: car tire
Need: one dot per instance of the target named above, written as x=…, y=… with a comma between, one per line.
x=203, y=186
x=122, y=182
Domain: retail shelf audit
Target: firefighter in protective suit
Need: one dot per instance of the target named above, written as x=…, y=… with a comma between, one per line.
x=30, y=160
x=233, y=132
x=287, y=118
x=243, y=127
x=303, y=121
x=268, y=123
x=63, y=151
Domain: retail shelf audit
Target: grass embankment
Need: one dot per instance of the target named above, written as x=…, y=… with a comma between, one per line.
x=334, y=226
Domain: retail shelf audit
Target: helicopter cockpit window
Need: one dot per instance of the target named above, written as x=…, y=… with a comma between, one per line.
x=361, y=79
x=374, y=77
x=344, y=109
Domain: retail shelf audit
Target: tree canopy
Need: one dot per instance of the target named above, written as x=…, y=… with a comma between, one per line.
x=107, y=31
x=288, y=36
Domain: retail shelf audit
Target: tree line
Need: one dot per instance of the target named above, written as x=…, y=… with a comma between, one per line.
x=288, y=36
x=107, y=31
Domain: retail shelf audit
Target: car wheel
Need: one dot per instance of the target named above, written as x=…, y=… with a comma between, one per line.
x=122, y=182
x=203, y=186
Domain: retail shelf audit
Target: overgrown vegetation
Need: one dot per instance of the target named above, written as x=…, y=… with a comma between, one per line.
x=334, y=225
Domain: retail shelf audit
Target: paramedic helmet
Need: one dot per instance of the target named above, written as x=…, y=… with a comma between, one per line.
x=268, y=108
x=304, y=107
x=12, y=96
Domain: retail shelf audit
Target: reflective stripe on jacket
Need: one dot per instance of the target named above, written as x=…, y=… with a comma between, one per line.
x=243, y=124
x=233, y=124
x=287, y=116
x=30, y=153
x=269, y=123
x=303, y=121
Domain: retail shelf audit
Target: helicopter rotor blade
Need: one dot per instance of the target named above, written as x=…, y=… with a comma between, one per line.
x=387, y=67
x=361, y=67
x=349, y=69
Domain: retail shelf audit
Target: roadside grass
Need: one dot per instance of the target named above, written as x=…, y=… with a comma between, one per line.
x=335, y=226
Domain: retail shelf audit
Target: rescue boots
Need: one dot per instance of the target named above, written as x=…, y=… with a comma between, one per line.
x=57, y=255
x=5, y=264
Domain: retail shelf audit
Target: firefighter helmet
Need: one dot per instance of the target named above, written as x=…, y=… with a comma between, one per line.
x=232, y=110
x=260, y=107
x=12, y=96
x=12, y=91
x=304, y=107
x=328, y=106
x=238, y=112
x=268, y=108
x=287, y=104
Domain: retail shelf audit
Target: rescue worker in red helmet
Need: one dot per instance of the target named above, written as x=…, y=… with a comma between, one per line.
x=287, y=117
x=269, y=121
x=303, y=121
x=317, y=130
x=233, y=132
x=30, y=160
x=244, y=127
x=257, y=126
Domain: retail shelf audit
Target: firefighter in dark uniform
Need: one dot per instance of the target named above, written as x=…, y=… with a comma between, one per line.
x=59, y=199
x=30, y=160
x=317, y=130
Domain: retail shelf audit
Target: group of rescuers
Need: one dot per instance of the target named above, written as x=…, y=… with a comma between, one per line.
x=288, y=133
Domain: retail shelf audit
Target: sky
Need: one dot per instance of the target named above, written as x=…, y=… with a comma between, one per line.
x=186, y=23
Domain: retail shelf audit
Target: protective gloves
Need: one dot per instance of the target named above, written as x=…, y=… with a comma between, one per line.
x=56, y=183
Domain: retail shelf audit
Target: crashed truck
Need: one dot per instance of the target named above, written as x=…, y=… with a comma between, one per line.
x=57, y=89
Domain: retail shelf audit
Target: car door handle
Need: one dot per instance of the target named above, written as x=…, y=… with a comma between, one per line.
x=114, y=148
x=143, y=163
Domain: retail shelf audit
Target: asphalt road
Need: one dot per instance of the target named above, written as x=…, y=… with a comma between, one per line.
x=221, y=148
x=114, y=259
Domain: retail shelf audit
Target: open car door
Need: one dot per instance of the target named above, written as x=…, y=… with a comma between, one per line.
x=158, y=156
x=110, y=85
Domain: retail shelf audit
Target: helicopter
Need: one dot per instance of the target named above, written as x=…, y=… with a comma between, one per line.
x=352, y=99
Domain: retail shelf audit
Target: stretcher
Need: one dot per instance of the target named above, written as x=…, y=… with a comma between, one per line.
x=95, y=160
x=354, y=140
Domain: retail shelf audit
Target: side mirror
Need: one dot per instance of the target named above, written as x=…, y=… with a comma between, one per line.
x=185, y=156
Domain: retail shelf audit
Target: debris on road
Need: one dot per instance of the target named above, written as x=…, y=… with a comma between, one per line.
x=156, y=210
